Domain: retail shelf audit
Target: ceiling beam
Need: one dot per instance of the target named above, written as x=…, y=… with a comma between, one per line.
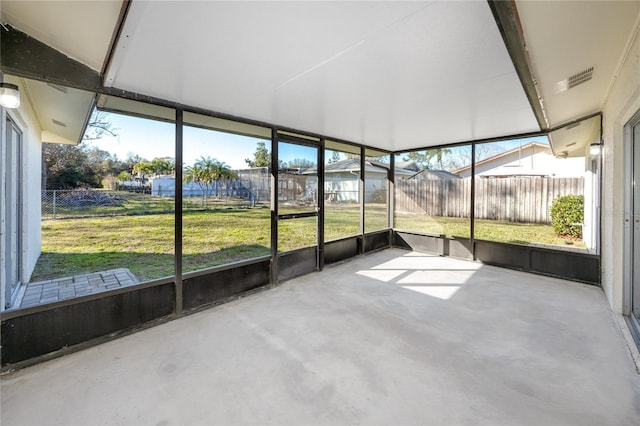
x=23, y=56
x=508, y=21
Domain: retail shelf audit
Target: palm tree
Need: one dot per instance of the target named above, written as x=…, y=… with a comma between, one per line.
x=198, y=175
x=142, y=169
x=208, y=173
x=163, y=166
x=191, y=174
x=220, y=173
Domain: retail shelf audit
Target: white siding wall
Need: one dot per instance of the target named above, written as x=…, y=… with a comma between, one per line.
x=30, y=171
x=622, y=103
x=538, y=159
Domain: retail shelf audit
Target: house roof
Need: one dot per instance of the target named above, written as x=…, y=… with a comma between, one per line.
x=502, y=172
x=370, y=79
x=352, y=165
x=434, y=174
x=527, y=147
x=409, y=165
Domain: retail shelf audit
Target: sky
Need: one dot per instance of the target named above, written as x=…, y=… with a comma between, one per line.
x=150, y=139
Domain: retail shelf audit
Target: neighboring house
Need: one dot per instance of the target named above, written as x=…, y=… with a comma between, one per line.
x=427, y=174
x=342, y=180
x=419, y=173
x=165, y=186
x=536, y=159
x=48, y=114
x=408, y=165
x=532, y=159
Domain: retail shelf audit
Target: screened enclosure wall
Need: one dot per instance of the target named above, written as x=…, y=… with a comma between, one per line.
x=226, y=201
x=518, y=183
x=519, y=191
x=376, y=190
x=109, y=207
x=342, y=179
x=103, y=225
x=431, y=196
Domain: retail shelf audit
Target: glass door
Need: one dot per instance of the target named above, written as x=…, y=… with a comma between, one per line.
x=298, y=208
x=635, y=223
x=12, y=204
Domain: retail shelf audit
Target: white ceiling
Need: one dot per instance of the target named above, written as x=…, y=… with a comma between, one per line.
x=389, y=74
x=60, y=111
x=574, y=140
x=81, y=30
x=566, y=37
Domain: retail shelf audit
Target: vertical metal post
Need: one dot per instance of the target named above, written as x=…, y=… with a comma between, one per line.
x=391, y=191
x=320, y=168
x=362, y=198
x=599, y=217
x=54, y=203
x=178, y=212
x=472, y=213
x=274, y=205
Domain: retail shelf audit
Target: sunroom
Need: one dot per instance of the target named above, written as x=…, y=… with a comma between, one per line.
x=266, y=141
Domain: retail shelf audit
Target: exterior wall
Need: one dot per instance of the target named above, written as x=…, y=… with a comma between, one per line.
x=347, y=185
x=622, y=102
x=30, y=174
x=344, y=184
x=536, y=159
x=373, y=183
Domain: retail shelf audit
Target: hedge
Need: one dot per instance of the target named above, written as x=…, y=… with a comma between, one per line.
x=567, y=215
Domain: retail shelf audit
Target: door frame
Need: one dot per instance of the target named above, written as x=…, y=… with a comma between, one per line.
x=628, y=272
x=276, y=217
x=12, y=165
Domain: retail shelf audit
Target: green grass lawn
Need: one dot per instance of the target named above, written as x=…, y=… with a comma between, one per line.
x=491, y=230
x=145, y=243
x=343, y=220
x=128, y=203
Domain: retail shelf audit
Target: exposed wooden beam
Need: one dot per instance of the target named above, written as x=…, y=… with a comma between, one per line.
x=508, y=21
x=23, y=56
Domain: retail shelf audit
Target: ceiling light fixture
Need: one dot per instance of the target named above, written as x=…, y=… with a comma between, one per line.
x=9, y=95
x=594, y=148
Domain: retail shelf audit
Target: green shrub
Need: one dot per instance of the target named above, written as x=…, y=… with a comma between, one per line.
x=567, y=215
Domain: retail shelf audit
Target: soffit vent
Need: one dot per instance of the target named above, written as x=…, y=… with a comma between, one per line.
x=574, y=80
x=579, y=78
x=59, y=123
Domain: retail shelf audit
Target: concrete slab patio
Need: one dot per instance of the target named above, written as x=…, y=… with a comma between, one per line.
x=389, y=338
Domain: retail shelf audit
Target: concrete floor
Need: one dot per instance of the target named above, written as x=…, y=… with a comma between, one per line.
x=389, y=338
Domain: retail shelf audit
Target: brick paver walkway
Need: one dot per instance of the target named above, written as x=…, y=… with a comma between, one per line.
x=41, y=292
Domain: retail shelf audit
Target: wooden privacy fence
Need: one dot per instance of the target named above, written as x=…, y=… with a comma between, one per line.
x=517, y=199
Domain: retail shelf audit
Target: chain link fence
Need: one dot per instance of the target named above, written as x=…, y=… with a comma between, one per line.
x=61, y=204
